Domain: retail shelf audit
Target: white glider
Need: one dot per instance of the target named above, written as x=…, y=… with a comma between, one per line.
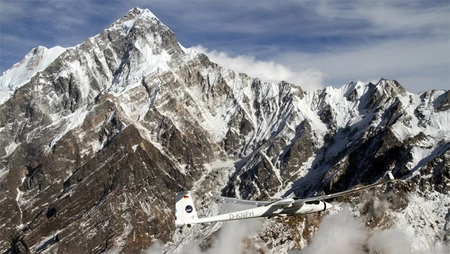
x=186, y=214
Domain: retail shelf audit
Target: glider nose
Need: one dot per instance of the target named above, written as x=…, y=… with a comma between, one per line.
x=327, y=205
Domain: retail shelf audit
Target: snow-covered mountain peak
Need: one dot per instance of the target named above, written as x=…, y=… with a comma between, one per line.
x=36, y=60
x=138, y=12
x=390, y=87
x=135, y=46
x=141, y=42
x=132, y=16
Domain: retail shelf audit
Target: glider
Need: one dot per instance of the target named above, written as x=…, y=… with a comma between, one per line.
x=186, y=214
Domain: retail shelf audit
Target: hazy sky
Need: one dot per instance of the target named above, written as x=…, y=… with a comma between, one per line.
x=310, y=43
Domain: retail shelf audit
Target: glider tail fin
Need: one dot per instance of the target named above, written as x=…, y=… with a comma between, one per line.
x=185, y=212
x=390, y=176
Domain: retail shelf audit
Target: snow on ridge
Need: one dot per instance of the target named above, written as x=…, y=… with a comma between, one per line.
x=129, y=20
x=20, y=73
x=427, y=213
x=144, y=12
x=346, y=110
x=70, y=122
x=436, y=122
x=190, y=52
x=140, y=13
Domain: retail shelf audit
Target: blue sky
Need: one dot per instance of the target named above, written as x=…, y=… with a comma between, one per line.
x=310, y=43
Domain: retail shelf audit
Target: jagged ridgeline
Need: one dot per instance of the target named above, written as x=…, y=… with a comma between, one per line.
x=96, y=139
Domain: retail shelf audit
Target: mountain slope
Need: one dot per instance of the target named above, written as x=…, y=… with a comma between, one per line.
x=96, y=144
x=36, y=60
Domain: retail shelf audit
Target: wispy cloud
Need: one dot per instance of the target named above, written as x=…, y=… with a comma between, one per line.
x=395, y=18
x=269, y=71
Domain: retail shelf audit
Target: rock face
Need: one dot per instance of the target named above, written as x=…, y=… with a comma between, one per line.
x=94, y=146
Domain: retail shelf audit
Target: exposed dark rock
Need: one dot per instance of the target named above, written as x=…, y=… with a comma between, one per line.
x=445, y=103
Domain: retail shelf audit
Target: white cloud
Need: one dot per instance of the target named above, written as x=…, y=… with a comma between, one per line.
x=344, y=233
x=417, y=65
x=389, y=241
x=403, y=60
x=156, y=247
x=270, y=71
x=339, y=233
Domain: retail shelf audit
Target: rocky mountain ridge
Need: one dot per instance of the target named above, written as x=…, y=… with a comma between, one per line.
x=96, y=143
